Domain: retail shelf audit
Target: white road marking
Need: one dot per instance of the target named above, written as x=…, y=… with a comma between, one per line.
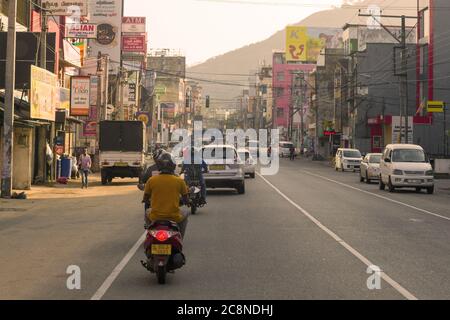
x=378, y=196
x=405, y=293
x=117, y=270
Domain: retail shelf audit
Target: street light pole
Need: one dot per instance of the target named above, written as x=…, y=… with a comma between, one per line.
x=8, y=122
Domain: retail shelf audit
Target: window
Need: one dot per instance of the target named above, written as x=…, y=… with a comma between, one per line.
x=352, y=154
x=280, y=112
x=408, y=156
x=280, y=76
x=279, y=92
x=375, y=159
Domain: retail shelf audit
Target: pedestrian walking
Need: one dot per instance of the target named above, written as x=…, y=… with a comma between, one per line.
x=85, y=164
x=292, y=151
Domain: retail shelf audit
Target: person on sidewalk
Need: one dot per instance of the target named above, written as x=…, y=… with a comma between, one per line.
x=292, y=155
x=85, y=164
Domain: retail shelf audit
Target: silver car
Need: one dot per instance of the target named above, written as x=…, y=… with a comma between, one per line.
x=226, y=169
x=370, y=167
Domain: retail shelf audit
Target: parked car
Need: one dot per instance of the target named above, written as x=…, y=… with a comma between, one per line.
x=370, y=167
x=249, y=162
x=406, y=166
x=285, y=149
x=226, y=169
x=348, y=159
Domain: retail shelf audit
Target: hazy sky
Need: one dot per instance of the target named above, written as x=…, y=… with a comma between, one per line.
x=202, y=29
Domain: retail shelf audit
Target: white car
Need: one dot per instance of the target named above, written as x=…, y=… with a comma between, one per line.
x=249, y=162
x=226, y=169
x=370, y=167
x=348, y=159
x=406, y=166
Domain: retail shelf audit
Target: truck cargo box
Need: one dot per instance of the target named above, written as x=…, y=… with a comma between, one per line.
x=125, y=136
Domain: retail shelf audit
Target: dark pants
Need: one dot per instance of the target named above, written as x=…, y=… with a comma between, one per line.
x=84, y=177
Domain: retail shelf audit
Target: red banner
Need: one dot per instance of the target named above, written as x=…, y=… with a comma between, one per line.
x=134, y=43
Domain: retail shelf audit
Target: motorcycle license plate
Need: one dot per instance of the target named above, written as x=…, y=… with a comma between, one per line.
x=162, y=249
x=217, y=167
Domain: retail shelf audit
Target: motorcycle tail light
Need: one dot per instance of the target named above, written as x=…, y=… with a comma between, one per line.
x=162, y=235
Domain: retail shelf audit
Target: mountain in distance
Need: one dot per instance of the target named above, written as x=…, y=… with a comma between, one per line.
x=230, y=68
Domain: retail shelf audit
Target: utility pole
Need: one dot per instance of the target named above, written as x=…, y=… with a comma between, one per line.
x=404, y=78
x=43, y=65
x=8, y=121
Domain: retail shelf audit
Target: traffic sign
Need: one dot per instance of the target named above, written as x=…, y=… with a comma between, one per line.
x=435, y=106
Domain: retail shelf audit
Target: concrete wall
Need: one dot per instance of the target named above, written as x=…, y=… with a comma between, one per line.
x=22, y=158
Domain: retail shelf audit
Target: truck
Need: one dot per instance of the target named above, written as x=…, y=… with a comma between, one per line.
x=122, y=149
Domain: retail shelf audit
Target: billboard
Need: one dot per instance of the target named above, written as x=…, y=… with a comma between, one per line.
x=66, y=8
x=64, y=99
x=168, y=110
x=44, y=94
x=304, y=44
x=133, y=24
x=296, y=43
x=81, y=31
x=107, y=15
x=134, y=43
x=90, y=124
x=80, y=91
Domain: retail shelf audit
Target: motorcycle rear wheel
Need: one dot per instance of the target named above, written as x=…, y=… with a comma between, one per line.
x=161, y=275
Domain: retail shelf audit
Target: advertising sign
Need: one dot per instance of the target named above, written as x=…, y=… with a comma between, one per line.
x=80, y=91
x=435, y=106
x=134, y=43
x=63, y=103
x=133, y=24
x=107, y=15
x=305, y=44
x=168, y=110
x=81, y=31
x=94, y=90
x=90, y=125
x=66, y=8
x=44, y=94
x=397, y=127
x=296, y=43
x=144, y=117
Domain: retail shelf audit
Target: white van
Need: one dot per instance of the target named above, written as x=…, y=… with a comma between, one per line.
x=348, y=159
x=406, y=166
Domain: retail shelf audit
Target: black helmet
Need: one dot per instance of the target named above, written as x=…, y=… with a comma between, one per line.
x=166, y=163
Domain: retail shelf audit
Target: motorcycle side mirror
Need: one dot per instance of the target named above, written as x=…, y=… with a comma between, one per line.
x=141, y=187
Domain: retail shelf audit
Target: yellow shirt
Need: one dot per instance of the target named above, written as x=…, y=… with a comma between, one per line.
x=165, y=191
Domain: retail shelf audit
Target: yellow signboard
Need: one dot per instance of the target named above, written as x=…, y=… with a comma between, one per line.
x=44, y=94
x=296, y=43
x=435, y=106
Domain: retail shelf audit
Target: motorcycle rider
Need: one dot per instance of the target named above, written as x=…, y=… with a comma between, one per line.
x=164, y=191
x=193, y=170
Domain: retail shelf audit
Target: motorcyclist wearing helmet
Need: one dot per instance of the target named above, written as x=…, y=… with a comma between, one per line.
x=164, y=192
x=152, y=170
x=194, y=168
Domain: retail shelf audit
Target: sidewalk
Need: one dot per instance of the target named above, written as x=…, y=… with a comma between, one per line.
x=43, y=195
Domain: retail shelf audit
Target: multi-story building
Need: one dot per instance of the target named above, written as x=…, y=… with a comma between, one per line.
x=283, y=95
x=170, y=89
x=432, y=72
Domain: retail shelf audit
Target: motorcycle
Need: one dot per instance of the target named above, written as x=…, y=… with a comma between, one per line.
x=164, y=249
x=195, y=197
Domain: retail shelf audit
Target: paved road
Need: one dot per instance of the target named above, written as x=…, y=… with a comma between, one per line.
x=307, y=233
